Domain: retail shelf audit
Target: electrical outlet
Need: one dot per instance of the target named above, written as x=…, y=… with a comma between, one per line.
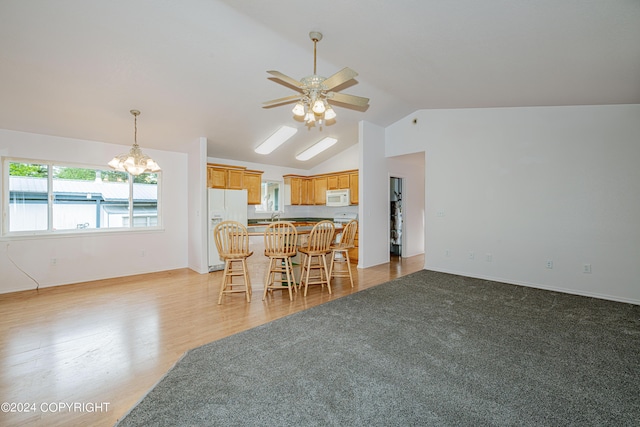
x=488, y=257
x=142, y=253
x=447, y=253
x=54, y=261
x=549, y=264
x=586, y=268
x=472, y=255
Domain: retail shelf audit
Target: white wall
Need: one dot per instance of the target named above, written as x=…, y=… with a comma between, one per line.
x=531, y=185
x=198, y=227
x=373, y=237
x=99, y=255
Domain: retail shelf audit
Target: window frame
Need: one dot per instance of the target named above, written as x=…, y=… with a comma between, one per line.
x=6, y=202
x=258, y=208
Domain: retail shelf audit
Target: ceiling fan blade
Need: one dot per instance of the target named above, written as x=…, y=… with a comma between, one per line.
x=348, y=99
x=286, y=79
x=340, y=77
x=279, y=101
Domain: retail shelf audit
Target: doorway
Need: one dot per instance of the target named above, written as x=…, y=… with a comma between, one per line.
x=395, y=221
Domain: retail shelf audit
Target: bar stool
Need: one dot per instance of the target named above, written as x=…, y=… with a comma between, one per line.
x=232, y=241
x=318, y=246
x=280, y=240
x=340, y=251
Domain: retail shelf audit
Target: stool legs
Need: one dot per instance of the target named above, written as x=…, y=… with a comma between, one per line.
x=283, y=266
x=346, y=260
x=227, y=278
x=321, y=266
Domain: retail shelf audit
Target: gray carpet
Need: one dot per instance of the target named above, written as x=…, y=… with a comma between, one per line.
x=425, y=349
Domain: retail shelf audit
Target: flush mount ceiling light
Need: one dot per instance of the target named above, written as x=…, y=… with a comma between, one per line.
x=316, y=149
x=134, y=162
x=276, y=140
x=313, y=102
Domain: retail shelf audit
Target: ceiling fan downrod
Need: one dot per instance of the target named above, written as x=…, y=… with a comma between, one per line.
x=315, y=37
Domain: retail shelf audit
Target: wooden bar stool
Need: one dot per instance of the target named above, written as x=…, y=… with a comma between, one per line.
x=232, y=240
x=318, y=246
x=280, y=240
x=340, y=251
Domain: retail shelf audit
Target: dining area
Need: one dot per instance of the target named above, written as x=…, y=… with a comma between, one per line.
x=288, y=258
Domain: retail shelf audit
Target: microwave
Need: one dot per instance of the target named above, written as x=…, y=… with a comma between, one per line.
x=338, y=197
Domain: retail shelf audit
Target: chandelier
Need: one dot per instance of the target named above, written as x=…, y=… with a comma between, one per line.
x=134, y=162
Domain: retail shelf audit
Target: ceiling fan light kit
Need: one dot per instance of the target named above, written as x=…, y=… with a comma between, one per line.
x=313, y=102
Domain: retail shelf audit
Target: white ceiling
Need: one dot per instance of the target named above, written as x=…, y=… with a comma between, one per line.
x=194, y=68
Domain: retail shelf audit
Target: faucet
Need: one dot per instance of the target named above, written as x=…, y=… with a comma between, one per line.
x=274, y=216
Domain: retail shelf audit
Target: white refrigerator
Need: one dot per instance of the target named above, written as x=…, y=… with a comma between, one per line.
x=224, y=205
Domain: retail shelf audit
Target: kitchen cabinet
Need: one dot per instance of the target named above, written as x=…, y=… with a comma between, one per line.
x=306, y=192
x=353, y=252
x=312, y=190
x=230, y=177
x=252, y=182
x=332, y=182
x=338, y=181
x=234, y=179
x=319, y=190
x=343, y=180
x=293, y=190
x=216, y=177
x=353, y=188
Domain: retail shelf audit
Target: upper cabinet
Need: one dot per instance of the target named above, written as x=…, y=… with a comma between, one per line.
x=353, y=187
x=252, y=182
x=235, y=178
x=312, y=190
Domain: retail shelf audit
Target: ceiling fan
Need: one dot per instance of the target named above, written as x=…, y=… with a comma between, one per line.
x=313, y=103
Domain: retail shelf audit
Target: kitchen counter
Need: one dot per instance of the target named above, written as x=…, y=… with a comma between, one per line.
x=252, y=221
x=259, y=262
x=303, y=227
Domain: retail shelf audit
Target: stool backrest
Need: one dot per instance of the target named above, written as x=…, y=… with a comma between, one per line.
x=280, y=238
x=231, y=238
x=349, y=234
x=321, y=237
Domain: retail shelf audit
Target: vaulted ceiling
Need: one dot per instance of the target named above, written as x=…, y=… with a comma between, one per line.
x=195, y=68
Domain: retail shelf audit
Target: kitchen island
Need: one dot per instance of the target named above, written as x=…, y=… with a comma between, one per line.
x=258, y=262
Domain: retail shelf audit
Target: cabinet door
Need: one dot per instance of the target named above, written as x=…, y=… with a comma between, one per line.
x=234, y=181
x=306, y=193
x=320, y=191
x=343, y=181
x=252, y=183
x=296, y=191
x=216, y=177
x=333, y=183
x=353, y=187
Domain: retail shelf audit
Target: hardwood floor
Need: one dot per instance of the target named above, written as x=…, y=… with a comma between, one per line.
x=84, y=354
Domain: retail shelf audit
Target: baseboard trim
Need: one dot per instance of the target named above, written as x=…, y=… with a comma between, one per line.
x=539, y=286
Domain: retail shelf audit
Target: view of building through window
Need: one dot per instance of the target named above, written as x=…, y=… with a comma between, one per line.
x=49, y=197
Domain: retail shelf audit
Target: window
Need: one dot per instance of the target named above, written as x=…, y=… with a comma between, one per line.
x=44, y=197
x=269, y=196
